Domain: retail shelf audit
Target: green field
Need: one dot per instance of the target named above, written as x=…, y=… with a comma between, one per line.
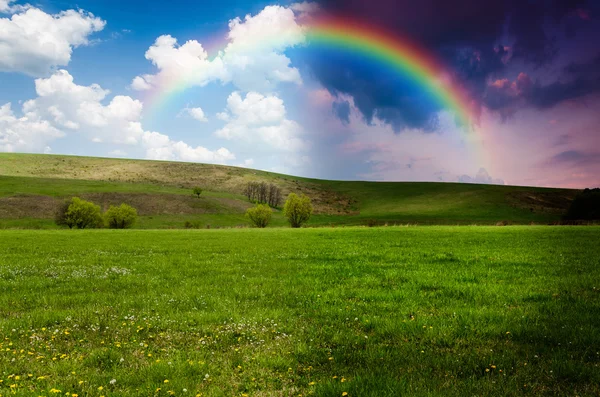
x=33, y=186
x=419, y=311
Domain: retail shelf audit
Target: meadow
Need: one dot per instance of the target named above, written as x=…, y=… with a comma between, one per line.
x=388, y=311
x=33, y=186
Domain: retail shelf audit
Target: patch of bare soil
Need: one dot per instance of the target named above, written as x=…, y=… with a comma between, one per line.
x=554, y=202
x=28, y=206
x=165, y=204
x=32, y=206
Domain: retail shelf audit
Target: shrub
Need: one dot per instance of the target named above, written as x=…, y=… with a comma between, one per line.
x=197, y=191
x=60, y=217
x=586, y=206
x=121, y=217
x=260, y=216
x=192, y=225
x=297, y=209
x=80, y=214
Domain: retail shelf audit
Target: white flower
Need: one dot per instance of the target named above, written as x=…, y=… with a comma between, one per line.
x=113, y=381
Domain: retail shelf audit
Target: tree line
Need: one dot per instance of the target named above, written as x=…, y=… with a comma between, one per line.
x=81, y=214
x=263, y=193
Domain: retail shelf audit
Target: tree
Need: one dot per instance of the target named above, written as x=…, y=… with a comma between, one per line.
x=197, y=191
x=297, y=209
x=121, y=217
x=263, y=193
x=82, y=214
x=60, y=217
x=586, y=206
x=260, y=216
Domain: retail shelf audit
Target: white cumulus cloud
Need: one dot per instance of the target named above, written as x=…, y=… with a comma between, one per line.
x=34, y=42
x=253, y=59
x=261, y=118
x=161, y=147
x=63, y=107
x=21, y=134
x=196, y=113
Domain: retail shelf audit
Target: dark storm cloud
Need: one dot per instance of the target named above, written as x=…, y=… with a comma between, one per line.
x=575, y=157
x=577, y=80
x=468, y=35
x=342, y=110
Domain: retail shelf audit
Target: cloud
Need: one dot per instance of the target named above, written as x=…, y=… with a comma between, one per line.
x=576, y=158
x=139, y=84
x=7, y=8
x=481, y=177
x=342, y=110
x=35, y=43
x=196, y=113
x=63, y=107
x=161, y=147
x=259, y=118
x=117, y=153
x=69, y=106
x=305, y=7
x=577, y=80
x=23, y=134
x=253, y=59
x=476, y=41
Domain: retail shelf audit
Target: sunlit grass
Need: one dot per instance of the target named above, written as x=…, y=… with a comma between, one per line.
x=364, y=311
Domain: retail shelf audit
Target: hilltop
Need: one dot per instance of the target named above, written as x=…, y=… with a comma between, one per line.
x=32, y=185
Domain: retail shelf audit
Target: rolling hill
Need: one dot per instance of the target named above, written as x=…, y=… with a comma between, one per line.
x=31, y=187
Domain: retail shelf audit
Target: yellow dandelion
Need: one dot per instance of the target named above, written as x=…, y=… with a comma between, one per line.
x=100, y=388
x=344, y=394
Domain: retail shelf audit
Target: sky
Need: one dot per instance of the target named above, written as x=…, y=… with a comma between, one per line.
x=500, y=92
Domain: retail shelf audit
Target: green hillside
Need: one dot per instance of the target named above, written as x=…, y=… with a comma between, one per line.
x=31, y=186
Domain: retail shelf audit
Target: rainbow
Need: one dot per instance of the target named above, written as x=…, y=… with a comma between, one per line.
x=402, y=55
x=399, y=53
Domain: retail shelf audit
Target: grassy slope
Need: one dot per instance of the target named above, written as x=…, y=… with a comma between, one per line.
x=392, y=311
x=337, y=202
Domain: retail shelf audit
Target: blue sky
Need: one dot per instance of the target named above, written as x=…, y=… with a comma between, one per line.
x=80, y=78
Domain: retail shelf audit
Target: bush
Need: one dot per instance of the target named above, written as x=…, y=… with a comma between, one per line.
x=586, y=206
x=192, y=225
x=260, y=216
x=121, y=217
x=197, y=191
x=297, y=209
x=79, y=213
x=60, y=217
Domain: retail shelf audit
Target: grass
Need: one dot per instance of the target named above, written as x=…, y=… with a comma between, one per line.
x=419, y=311
x=31, y=186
